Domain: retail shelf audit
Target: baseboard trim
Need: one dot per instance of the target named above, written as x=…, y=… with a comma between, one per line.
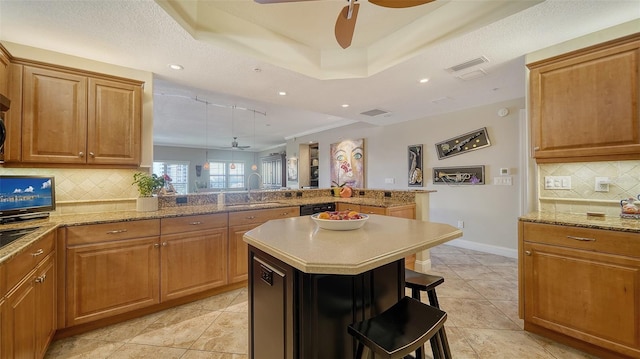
x=486, y=248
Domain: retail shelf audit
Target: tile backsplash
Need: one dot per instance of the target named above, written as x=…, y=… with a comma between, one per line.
x=624, y=177
x=87, y=190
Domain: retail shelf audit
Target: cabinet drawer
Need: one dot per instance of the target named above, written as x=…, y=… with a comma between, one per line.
x=116, y=231
x=373, y=210
x=262, y=215
x=614, y=242
x=193, y=223
x=20, y=265
x=341, y=206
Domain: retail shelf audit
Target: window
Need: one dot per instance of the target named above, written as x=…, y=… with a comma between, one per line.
x=178, y=172
x=221, y=175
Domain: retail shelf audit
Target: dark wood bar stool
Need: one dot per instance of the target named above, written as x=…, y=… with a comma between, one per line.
x=422, y=282
x=399, y=330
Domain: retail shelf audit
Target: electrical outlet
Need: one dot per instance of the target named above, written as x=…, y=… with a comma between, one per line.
x=602, y=184
x=557, y=182
x=460, y=223
x=390, y=180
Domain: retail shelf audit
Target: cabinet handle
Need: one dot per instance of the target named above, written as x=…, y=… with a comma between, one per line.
x=41, y=278
x=584, y=239
x=81, y=154
x=117, y=231
x=250, y=217
x=284, y=214
x=536, y=148
x=164, y=244
x=92, y=154
x=527, y=253
x=195, y=223
x=156, y=245
x=38, y=252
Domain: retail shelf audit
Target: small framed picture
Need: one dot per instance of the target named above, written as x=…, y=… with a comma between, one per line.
x=464, y=175
x=414, y=157
x=470, y=141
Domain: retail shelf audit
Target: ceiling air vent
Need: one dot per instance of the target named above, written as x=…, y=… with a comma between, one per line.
x=374, y=112
x=466, y=65
x=472, y=75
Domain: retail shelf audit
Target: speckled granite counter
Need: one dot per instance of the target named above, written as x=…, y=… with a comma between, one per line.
x=301, y=244
x=45, y=226
x=612, y=223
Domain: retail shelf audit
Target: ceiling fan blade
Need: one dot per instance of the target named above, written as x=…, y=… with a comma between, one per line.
x=398, y=3
x=346, y=25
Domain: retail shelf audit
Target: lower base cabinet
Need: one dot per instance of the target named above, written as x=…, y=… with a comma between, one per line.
x=29, y=310
x=582, y=284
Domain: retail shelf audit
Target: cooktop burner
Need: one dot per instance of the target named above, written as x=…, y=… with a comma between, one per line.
x=9, y=235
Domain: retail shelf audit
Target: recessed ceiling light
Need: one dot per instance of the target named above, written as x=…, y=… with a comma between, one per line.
x=282, y=93
x=345, y=105
x=424, y=80
x=176, y=67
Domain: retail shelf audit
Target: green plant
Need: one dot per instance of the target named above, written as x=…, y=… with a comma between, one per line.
x=147, y=184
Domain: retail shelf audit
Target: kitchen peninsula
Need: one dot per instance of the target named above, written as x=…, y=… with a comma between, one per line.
x=307, y=284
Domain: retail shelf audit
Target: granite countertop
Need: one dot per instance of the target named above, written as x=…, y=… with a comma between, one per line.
x=300, y=243
x=611, y=223
x=47, y=225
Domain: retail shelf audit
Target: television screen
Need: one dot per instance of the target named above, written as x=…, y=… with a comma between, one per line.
x=26, y=194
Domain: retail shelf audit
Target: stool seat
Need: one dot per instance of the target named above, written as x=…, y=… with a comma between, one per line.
x=421, y=281
x=399, y=330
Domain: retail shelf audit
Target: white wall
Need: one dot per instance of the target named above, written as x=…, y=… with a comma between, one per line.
x=490, y=212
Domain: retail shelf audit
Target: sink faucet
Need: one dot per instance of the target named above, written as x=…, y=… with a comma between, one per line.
x=249, y=181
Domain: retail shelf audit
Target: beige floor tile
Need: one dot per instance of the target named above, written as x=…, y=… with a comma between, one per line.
x=457, y=288
x=228, y=334
x=177, y=328
x=472, y=313
x=456, y=258
x=505, y=344
x=124, y=331
x=81, y=348
x=198, y=354
x=510, y=309
x=492, y=259
x=138, y=351
x=509, y=273
x=475, y=271
x=495, y=289
x=217, y=302
x=558, y=350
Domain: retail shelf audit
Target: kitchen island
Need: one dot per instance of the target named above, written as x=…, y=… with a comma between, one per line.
x=307, y=284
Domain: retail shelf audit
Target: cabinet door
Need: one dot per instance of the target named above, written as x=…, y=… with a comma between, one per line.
x=586, y=295
x=585, y=104
x=54, y=118
x=373, y=210
x=19, y=322
x=46, y=304
x=106, y=279
x=114, y=121
x=238, y=252
x=193, y=262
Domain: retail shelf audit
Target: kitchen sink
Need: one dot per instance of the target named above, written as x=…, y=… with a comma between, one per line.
x=9, y=235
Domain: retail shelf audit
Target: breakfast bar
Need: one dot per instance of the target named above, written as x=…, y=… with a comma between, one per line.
x=306, y=284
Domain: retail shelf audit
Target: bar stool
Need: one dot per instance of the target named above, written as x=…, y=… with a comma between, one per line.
x=399, y=330
x=422, y=282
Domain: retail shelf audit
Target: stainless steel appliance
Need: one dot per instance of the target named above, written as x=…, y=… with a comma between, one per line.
x=309, y=209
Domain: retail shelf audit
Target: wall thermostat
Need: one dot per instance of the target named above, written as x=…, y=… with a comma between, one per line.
x=503, y=112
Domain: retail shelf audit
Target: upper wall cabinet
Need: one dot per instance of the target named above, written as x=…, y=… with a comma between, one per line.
x=73, y=117
x=584, y=104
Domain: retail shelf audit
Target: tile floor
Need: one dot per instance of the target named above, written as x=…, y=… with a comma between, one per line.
x=480, y=295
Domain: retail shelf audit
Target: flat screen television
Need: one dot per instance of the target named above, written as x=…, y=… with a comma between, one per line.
x=26, y=197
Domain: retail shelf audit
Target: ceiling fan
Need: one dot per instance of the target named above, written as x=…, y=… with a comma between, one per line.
x=346, y=22
x=235, y=146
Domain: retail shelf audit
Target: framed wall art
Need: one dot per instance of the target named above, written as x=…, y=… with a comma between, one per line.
x=470, y=141
x=292, y=169
x=463, y=175
x=415, y=166
x=347, y=163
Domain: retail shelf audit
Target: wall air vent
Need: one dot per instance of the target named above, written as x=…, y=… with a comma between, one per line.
x=467, y=64
x=375, y=112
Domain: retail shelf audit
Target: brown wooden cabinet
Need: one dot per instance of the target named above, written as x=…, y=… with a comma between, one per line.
x=193, y=254
x=239, y=224
x=582, y=286
x=4, y=71
x=584, y=104
x=74, y=117
x=111, y=269
x=29, y=310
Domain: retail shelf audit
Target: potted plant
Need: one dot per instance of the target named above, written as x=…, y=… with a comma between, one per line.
x=148, y=185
